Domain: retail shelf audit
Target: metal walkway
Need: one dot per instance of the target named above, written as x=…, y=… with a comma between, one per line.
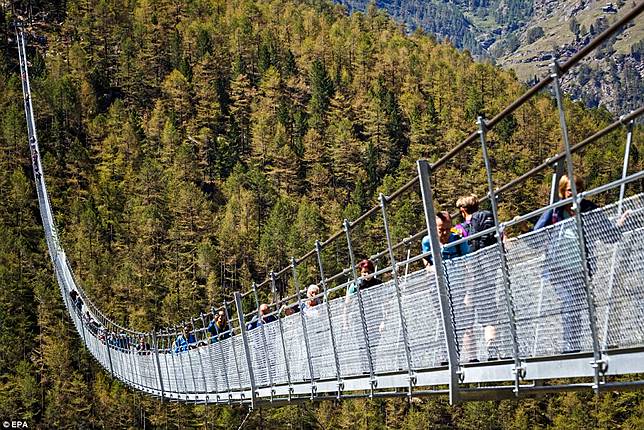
x=422, y=332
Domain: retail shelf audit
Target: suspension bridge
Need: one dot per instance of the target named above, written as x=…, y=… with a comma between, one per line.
x=420, y=333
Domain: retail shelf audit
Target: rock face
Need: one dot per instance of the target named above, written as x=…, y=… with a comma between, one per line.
x=527, y=35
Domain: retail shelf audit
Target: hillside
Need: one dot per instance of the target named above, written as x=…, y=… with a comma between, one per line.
x=192, y=146
x=526, y=35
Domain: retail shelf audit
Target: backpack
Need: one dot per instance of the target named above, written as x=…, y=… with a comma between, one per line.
x=481, y=220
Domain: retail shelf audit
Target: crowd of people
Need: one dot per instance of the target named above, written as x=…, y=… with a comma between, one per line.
x=569, y=289
x=120, y=340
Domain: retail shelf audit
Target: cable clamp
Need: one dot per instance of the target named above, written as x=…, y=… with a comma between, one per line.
x=461, y=374
x=600, y=364
x=519, y=370
x=413, y=380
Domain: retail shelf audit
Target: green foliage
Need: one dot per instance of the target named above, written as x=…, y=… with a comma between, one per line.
x=191, y=147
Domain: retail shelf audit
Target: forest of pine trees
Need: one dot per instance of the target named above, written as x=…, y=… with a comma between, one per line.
x=192, y=146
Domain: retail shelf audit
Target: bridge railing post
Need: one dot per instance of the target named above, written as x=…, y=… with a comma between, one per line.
x=615, y=256
x=232, y=345
x=394, y=275
x=318, y=252
x=134, y=368
x=267, y=359
x=242, y=328
x=281, y=329
x=158, y=363
x=203, y=371
x=106, y=335
x=177, y=351
x=363, y=319
x=224, y=371
x=211, y=363
x=168, y=344
x=307, y=345
x=424, y=172
x=519, y=371
x=597, y=359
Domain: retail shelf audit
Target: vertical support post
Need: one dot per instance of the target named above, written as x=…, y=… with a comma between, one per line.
x=597, y=360
x=518, y=370
x=232, y=345
x=162, y=350
x=133, y=361
x=627, y=154
x=107, y=346
x=223, y=361
x=267, y=357
x=537, y=325
x=304, y=330
x=136, y=360
x=363, y=320
x=203, y=371
x=158, y=363
x=318, y=252
x=129, y=336
x=394, y=275
x=559, y=172
x=553, y=188
x=189, y=355
x=439, y=272
x=622, y=191
x=281, y=329
x=167, y=345
x=242, y=328
x=80, y=320
x=180, y=355
x=211, y=363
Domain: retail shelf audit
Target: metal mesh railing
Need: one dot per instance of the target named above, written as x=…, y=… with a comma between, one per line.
x=424, y=323
x=479, y=306
x=547, y=279
x=616, y=262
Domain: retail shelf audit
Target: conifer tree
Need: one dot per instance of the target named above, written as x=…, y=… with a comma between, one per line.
x=321, y=93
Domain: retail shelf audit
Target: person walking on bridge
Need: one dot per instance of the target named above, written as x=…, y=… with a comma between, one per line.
x=218, y=327
x=479, y=297
x=562, y=265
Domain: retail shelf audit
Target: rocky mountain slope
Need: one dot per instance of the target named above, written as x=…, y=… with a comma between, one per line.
x=527, y=35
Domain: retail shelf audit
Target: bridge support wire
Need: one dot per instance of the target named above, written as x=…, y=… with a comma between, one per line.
x=176, y=351
x=318, y=252
x=242, y=328
x=155, y=345
x=207, y=339
x=394, y=275
x=424, y=171
x=232, y=346
x=224, y=371
x=519, y=370
x=305, y=334
x=363, y=319
x=280, y=327
x=199, y=352
x=267, y=357
x=616, y=252
x=597, y=359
